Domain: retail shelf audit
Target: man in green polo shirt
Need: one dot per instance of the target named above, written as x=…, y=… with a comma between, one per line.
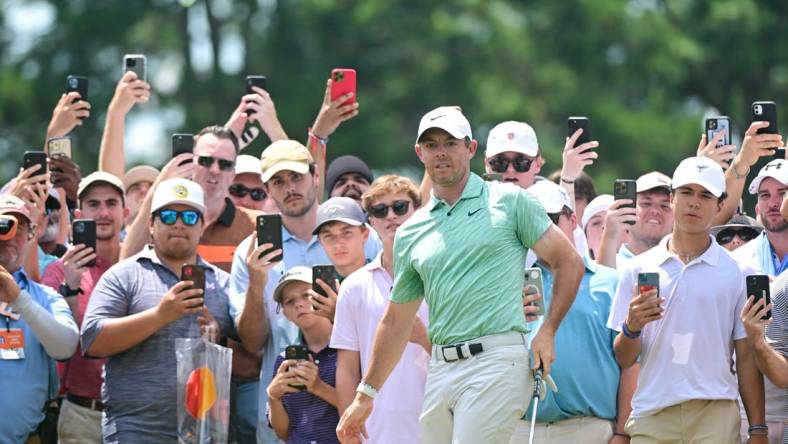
x=464, y=252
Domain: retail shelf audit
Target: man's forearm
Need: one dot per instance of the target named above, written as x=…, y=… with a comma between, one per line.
x=391, y=337
x=773, y=365
x=750, y=383
x=568, y=272
x=627, y=384
x=627, y=350
x=120, y=334
x=734, y=188
x=112, y=157
x=608, y=249
x=253, y=321
x=327, y=393
x=348, y=377
x=138, y=235
x=280, y=421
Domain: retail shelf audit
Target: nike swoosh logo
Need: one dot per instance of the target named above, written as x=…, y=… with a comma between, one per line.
x=438, y=117
x=471, y=213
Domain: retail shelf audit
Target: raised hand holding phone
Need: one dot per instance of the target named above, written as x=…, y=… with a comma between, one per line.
x=578, y=149
x=646, y=306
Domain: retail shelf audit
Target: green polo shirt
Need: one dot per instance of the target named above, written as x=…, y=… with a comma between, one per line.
x=467, y=260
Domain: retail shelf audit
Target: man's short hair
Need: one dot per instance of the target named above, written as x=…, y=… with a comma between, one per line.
x=220, y=132
x=584, y=185
x=391, y=183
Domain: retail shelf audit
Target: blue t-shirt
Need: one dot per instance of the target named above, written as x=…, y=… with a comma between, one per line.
x=24, y=383
x=585, y=369
x=312, y=420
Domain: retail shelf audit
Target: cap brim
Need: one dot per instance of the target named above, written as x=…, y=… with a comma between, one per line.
x=502, y=148
x=346, y=220
x=455, y=132
x=284, y=165
x=186, y=202
x=709, y=187
x=280, y=286
x=718, y=228
x=15, y=211
x=756, y=183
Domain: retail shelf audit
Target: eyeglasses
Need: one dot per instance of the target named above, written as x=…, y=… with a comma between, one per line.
x=500, y=163
x=726, y=236
x=380, y=211
x=239, y=190
x=188, y=217
x=207, y=161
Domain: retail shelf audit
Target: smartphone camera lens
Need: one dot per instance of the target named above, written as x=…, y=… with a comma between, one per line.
x=758, y=110
x=534, y=275
x=712, y=124
x=339, y=76
x=131, y=63
x=79, y=228
x=73, y=83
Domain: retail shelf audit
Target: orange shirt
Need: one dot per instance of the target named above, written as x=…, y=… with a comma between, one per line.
x=220, y=239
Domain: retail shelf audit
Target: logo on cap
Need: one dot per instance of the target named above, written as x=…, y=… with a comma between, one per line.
x=701, y=168
x=180, y=192
x=775, y=165
x=333, y=209
x=510, y=136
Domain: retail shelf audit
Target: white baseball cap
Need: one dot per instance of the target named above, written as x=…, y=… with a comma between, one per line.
x=652, y=180
x=597, y=205
x=447, y=118
x=776, y=169
x=100, y=177
x=298, y=273
x=178, y=191
x=552, y=197
x=700, y=171
x=512, y=136
x=245, y=163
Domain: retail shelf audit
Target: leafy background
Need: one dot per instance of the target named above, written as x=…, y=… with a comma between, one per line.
x=645, y=72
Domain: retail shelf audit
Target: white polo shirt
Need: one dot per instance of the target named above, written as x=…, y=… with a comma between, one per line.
x=688, y=354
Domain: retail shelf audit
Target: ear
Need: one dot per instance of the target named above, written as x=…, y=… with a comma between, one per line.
x=365, y=232
x=419, y=152
x=126, y=212
x=473, y=147
x=78, y=213
x=573, y=221
x=538, y=164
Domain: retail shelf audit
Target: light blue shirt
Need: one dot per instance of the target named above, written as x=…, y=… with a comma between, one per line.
x=24, y=383
x=623, y=256
x=44, y=260
x=585, y=369
x=281, y=331
x=759, y=254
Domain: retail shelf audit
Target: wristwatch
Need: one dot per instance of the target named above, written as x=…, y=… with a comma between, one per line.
x=67, y=292
x=367, y=389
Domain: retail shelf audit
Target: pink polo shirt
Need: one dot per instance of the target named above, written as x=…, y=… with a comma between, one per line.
x=362, y=301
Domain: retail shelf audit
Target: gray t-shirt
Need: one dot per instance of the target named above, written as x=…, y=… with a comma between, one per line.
x=140, y=385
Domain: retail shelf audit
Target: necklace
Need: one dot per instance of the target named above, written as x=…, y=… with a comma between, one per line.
x=684, y=257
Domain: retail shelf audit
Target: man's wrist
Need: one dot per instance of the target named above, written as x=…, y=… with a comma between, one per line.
x=367, y=390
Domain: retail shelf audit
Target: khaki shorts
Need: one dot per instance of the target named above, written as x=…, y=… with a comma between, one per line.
x=694, y=421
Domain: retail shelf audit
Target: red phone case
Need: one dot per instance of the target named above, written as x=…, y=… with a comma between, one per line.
x=343, y=81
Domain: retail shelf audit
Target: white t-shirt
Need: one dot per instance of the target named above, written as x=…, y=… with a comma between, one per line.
x=688, y=354
x=361, y=303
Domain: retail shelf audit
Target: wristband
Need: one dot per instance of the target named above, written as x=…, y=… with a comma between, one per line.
x=67, y=292
x=569, y=182
x=629, y=333
x=758, y=427
x=367, y=389
x=317, y=138
x=736, y=174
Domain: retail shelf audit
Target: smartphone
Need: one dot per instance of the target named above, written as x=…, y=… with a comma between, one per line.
x=533, y=284
x=182, y=143
x=766, y=111
x=758, y=286
x=648, y=282
x=343, y=81
x=327, y=274
x=269, y=231
x=59, y=146
x=625, y=189
x=575, y=123
x=258, y=81
x=84, y=232
x=297, y=352
x=716, y=124
x=137, y=63
x=196, y=274
x=493, y=177
x=78, y=84
x=35, y=158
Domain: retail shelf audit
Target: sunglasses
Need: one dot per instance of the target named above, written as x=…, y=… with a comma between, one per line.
x=725, y=236
x=555, y=217
x=207, y=161
x=238, y=190
x=380, y=211
x=188, y=217
x=500, y=163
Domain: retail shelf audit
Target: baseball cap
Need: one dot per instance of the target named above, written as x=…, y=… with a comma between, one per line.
x=11, y=204
x=296, y=274
x=738, y=221
x=552, y=197
x=776, y=169
x=512, y=136
x=339, y=209
x=245, y=163
x=447, y=118
x=140, y=173
x=178, y=191
x=652, y=180
x=343, y=165
x=284, y=155
x=700, y=171
x=598, y=205
x=100, y=177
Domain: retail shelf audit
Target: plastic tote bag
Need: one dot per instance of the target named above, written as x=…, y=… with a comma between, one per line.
x=203, y=390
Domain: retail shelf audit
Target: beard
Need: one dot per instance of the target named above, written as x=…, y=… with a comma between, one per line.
x=777, y=227
x=309, y=202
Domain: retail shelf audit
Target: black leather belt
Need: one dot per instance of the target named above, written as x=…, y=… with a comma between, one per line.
x=88, y=403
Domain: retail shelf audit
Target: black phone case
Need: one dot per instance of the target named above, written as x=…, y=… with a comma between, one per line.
x=84, y=232
x=758, y=286
x=625, y=189
x=182, y=143
x=78, y=84
x=269, y=230
x=298, y=352
x=194, y=273
x=31, y=158
x=574, y=123
x=258, y=81
x=327, y=274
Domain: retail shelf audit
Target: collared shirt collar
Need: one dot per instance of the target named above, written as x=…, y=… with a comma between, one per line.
x=287, y=235
x=473, y=188
x=711, y=256
x=228, y=214
x=21, y=278
x=376, y=263
x=149, y=254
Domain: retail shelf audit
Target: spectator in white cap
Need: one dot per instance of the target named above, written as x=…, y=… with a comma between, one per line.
x=247, y=190
x=768, y=253
x=136, y=183
x=592, y=405
x=463, y=254
x=593, y=222
x=512, y=150
x=140, y=306
x=645, y=225
x=685, y=328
